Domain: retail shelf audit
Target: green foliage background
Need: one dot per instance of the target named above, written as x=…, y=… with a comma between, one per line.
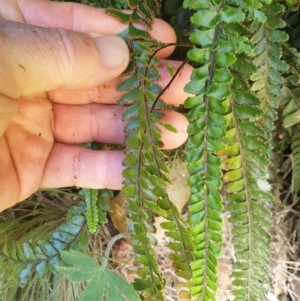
x=245, y=88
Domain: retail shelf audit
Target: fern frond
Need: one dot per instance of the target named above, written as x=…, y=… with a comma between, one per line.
x=251, y=116
x=217, y=34
x=247, y=191
x=145, y=176
x=23, y=265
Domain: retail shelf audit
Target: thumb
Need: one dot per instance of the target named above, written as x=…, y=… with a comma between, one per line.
x=36, y=59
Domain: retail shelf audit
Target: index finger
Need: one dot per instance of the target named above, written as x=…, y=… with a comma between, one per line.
x=78, y=17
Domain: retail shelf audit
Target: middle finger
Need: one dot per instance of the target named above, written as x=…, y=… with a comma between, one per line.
x=103, y=123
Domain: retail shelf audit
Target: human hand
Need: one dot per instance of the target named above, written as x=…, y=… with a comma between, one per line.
x=58, y=89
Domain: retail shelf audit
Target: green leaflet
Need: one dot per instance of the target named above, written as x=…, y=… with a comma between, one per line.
x=124, y=18
x=231, y=14
x=102, y=282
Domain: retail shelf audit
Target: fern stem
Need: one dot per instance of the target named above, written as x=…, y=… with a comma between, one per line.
x=110, y=245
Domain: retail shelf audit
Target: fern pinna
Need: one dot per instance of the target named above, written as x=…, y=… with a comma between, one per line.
x=145, y=173
x=231, y=121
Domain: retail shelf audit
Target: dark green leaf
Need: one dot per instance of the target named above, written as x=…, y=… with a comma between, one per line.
x=224, y=60
x=198, y=55
x=129, y=83
x=129, y=97
x=124, y=18
x=136, y=33
x=203, y=37
x=232, y=15
x=205, y=18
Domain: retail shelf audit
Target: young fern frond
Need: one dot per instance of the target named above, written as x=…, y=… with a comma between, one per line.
x=92, y=216
x=145, y=176
x=96, y=207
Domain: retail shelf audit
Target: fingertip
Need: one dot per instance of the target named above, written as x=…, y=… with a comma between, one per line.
x=114, y=52
x=170, y=139
x=163, y=32
x=175, y=94
x=70, y=165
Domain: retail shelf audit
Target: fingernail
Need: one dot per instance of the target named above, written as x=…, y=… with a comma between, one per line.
x=113, y=50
